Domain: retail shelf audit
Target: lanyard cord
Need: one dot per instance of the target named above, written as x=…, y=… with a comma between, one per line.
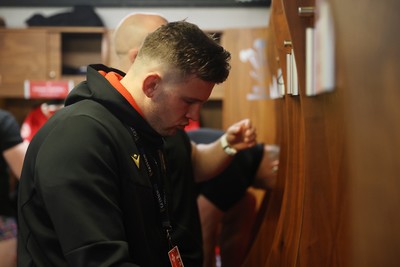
x=157, y=183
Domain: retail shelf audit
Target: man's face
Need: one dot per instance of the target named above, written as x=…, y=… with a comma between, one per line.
x=175, y=103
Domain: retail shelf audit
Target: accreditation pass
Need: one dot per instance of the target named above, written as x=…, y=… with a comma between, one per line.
x=175, y=257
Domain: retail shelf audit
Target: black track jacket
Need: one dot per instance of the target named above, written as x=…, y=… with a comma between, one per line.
x=83, y=202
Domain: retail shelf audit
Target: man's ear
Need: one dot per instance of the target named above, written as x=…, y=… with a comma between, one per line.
x=150, y=84
x=132, y=53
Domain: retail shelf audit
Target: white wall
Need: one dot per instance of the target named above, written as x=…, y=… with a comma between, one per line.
x=205, y=18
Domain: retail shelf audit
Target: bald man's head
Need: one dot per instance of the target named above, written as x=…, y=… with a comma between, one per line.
x=131, y=32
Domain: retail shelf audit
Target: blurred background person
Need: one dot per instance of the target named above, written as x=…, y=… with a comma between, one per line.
x=13, y=150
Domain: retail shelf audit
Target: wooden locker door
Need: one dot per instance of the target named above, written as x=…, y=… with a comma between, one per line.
x=308, y=214
x=246, y=95
x=314, y=230
x=269, y=225
x=23, y=56
x=369, y=58
x=246, y=89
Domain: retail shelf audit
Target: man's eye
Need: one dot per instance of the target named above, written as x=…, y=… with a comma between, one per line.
x=190, y=101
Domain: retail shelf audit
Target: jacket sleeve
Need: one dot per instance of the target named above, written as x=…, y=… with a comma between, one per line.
x=77, y=177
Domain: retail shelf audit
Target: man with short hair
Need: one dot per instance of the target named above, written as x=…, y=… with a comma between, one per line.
x=94, y=189
x=222, y=194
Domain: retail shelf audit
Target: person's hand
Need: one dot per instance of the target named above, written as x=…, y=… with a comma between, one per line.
x=241, y=135
x=267, y=172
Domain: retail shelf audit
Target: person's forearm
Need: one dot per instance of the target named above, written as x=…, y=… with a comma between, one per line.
x=210, y=160
x=15, y=157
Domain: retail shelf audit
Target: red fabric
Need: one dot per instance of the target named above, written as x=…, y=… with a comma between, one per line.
x=193, y=125
x=32, y=123
x=114, y=78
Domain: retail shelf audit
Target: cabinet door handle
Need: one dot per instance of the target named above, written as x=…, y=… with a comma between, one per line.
x=306, y=11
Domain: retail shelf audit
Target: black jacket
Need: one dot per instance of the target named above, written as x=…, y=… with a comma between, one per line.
x=185, y=213
x=83, y=201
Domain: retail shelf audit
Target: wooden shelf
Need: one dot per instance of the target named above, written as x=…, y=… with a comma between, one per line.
x=48, y=53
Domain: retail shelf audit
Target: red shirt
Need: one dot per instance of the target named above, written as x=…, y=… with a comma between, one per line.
x=32, y=123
